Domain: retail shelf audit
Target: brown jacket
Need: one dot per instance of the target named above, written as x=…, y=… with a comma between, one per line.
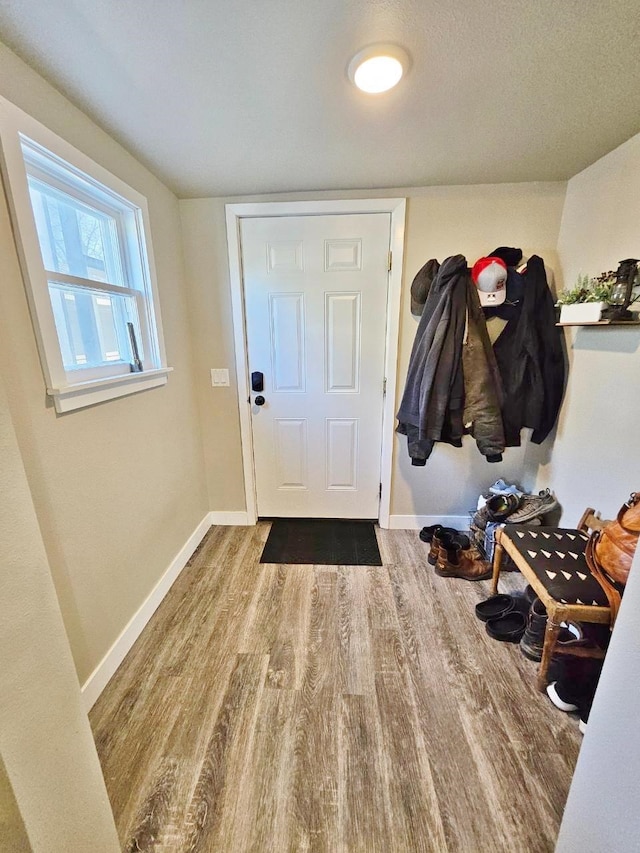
x=482, y=383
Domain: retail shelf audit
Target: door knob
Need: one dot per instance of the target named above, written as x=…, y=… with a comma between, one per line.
x=259, y=401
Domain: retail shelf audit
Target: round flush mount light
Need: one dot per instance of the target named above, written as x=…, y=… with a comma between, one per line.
x=378, y=68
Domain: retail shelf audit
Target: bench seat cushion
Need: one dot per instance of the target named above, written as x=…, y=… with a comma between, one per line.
x=556, y=556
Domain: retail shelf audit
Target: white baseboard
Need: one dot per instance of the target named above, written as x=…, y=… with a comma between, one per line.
x=239, y=518
x=97, y=681
x=417, y=522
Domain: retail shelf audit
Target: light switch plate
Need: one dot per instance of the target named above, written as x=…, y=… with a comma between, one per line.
x=220, y=377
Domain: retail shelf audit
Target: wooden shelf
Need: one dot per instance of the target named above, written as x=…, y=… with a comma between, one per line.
x=604, y=323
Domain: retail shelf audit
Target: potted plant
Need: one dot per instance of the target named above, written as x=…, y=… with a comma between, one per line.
x=586, y=300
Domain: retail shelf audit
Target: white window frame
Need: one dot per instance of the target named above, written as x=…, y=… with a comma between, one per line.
x=88, y=182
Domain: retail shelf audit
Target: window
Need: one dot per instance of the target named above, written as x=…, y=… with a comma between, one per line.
x=88, y=267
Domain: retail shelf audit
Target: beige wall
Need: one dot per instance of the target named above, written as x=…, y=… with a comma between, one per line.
x=593, y=459
x=440, y=221
x=46, y=744
x=118, y=487
x=601, y=812
x=207, y=275
x=13, y=834
x=473, y=221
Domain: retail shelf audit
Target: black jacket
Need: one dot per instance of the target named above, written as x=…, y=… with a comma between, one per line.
x=531, y=361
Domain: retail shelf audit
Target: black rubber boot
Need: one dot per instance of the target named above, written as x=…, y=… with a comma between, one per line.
x=532, y=640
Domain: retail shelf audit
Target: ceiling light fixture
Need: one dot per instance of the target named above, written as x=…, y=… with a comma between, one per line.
x=378, y=68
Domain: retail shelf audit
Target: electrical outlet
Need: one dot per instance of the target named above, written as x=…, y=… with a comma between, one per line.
x=220, y=377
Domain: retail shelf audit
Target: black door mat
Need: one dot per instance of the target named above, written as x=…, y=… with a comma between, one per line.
x=322, y=542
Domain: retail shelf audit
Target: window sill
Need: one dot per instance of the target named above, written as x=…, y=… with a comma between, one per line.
x=81, y=394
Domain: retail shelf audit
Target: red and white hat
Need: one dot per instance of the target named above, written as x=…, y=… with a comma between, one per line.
x=490, y=277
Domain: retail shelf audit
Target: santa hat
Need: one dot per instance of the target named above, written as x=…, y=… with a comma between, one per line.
x=490, y=277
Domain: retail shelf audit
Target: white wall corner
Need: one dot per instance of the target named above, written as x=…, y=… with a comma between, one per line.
x=99, y=678
x=417, y=522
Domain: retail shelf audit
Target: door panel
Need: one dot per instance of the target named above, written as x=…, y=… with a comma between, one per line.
x=315, y=292
x=342, y=342
x=291, y=453
x=286, y=312
x=342, y=453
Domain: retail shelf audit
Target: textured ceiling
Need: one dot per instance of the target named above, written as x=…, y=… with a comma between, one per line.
x=251, y=96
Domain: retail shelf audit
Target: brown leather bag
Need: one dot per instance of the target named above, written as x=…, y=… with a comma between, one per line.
x=609, y=552
x=616, y=545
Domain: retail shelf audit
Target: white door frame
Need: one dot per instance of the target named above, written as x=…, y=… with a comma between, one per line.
x=234, y=214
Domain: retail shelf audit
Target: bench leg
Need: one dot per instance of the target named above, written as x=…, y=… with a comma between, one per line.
x=498, y=553
x=550, y=637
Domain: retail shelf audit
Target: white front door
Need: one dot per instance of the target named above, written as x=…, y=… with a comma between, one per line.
x=316, y=303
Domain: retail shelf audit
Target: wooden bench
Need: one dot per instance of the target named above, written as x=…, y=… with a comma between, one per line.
x=552, y=560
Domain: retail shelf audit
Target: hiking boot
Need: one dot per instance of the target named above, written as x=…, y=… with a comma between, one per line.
x=532, y=641
x=442, y=532
x=500, y=507
x=461, y=560
x=533, y=506
x=481, y=518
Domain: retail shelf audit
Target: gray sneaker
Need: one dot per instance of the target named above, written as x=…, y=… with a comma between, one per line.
x=532, y=506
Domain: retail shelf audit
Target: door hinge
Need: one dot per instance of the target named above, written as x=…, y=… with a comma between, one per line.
x=384, y=387
x=380, y=491
x=389, y=261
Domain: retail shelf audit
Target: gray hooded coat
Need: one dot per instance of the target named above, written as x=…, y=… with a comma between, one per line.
x=452, y=378
x=433, y=400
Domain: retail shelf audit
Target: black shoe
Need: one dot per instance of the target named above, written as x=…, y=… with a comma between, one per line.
x=494, y=607
x=563, y=696
x=508, y=628
x=576, y=686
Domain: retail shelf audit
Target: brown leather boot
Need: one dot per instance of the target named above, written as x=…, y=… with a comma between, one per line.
x=436, y=541
x=456, y=561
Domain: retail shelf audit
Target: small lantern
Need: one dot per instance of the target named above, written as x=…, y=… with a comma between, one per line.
x=620, y=298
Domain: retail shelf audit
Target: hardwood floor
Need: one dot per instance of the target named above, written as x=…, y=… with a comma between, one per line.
x=314, y=708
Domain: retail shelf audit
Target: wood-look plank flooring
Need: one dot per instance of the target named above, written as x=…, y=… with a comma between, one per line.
x=329, y=708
